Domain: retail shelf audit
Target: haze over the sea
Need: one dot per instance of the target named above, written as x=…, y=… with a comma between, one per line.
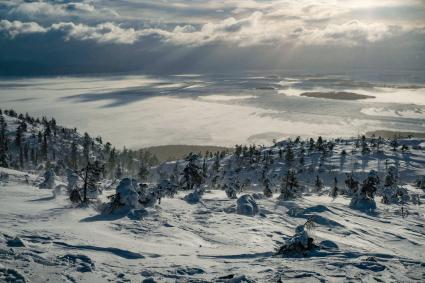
x=139, y=111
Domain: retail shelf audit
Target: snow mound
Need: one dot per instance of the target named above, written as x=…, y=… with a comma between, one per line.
x=246, y=205
x=82, y=262
x=138, y=214
x=363, y=204
x=240, y=279
x=193, y=197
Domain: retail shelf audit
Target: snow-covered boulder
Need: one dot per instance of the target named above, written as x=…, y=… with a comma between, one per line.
x=246, y=205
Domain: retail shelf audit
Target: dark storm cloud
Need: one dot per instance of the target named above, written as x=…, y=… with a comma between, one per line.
x=154, y=36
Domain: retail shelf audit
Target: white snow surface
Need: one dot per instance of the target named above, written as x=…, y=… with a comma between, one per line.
x=182, y=242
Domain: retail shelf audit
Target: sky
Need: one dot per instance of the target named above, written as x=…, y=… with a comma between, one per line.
x=183, y=36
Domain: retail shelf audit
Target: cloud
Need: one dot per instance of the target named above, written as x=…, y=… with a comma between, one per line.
x=45, y=10
x=255, y=29
x=230, y=22
x=259, y=29
x=16, y=28
x=101, y=33
x=352, y=33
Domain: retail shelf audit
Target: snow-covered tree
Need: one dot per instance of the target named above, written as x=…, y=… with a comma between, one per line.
x=193, y=178
x=289, y=186
x=364, y=198
x=119, y=172
x=143, y=172
x=334, y=191
x=392, y=192
x=351, y=184
x=72, y=179
x=318, y=184
x=166, y=188
x=232, y=188
x=394, y=144
x=289, y=153
x=90, y=176
x=127, y=196
x=3, y=143
x=192, y=173
x=267, y=191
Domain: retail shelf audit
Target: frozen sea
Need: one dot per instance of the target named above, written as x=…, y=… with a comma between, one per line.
x=222, y=109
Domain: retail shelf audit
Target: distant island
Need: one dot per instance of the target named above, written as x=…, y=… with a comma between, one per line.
x=340, y=95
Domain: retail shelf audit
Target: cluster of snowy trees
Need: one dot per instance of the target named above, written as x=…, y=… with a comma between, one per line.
x=289, y=167
x=41, y=145
x=296, y=175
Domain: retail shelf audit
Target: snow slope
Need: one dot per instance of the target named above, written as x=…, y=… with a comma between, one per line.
x=205, y=242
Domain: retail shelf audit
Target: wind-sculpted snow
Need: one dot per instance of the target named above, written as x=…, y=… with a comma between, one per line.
x=203, y=242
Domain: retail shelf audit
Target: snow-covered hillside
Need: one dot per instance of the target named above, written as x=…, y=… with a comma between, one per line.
x=299, y=211
x=206, y=242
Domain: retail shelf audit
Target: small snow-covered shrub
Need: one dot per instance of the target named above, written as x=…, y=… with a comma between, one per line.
x=195, y=196
x=298, y=245
x=257, y=195
x=231, y=191
x=4, y=177
x=420, y=183
x=49, y=180
x=394, y=195
x=166, y=188
x=246, y=205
